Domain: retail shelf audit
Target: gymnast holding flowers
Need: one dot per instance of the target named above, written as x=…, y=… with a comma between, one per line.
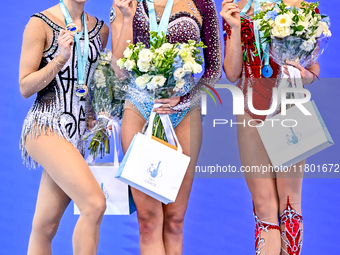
x=261, y=39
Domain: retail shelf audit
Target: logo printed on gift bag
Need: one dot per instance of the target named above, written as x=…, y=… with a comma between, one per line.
x=154, y=172
x=293, y=137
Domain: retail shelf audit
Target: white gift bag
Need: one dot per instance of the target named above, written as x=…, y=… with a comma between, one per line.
x=153, y=167
x=287, y=146
x=118, y=195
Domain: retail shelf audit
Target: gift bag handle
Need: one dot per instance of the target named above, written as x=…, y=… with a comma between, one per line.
x=117, y=140
x=296, y=81
x=295, y=78
x=168, y=128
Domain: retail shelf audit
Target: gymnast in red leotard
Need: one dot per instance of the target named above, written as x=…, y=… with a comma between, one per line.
x=262, y=88
x=275, y=196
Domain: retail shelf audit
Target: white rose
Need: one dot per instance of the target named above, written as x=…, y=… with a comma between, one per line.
x=151, y=86
x=141, y=81
x=120, y=63
x=143, y=66
x=158, y=81
x=129, y=64
x=145, y=55
x=281, y=32
x=179, y=73
x=127, y=53
x=166, y=46
x=179, y=84
x=271, y=22
x=283, y=20
x=197, y=68
x=188, y=67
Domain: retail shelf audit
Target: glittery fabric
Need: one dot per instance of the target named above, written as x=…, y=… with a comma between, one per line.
x=262, y=226
x=56, y=107
x=251, y=73
x=292, y=234
x=190, y=20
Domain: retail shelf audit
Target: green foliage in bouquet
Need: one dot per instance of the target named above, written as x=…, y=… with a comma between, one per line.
x=107, y=99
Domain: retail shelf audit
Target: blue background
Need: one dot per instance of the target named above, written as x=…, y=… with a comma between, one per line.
x=219, y=218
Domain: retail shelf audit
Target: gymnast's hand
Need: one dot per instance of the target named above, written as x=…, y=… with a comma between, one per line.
x=91, y=123
x=65, y=42
x=168, y=104
x=306, y=75
x=126, y=7
x=231, y=14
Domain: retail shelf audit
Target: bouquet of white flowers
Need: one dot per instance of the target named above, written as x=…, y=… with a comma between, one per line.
x=294, y=34
x=107, y=99
x=162, y=71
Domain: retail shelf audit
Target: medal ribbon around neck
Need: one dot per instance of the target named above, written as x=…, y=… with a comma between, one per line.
x=267, y=71
x=81, y=88
x=163, y=25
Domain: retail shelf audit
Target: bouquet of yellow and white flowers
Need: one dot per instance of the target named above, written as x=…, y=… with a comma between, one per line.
x=294, y=34
x=107, y=99
x=164, y=70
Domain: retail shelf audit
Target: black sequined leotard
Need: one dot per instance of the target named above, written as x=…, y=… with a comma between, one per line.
x=57, y=108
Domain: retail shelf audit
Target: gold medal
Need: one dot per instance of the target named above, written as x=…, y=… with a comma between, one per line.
x=82, y=90
x=72, y=28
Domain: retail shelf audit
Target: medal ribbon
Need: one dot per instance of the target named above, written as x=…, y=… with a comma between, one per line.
x=257, y=9
x=163, y=25
x=81, y=58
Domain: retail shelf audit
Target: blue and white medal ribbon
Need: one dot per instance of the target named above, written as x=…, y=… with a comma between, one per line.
x=163, y=25
x=81, y=88
x=267, y=70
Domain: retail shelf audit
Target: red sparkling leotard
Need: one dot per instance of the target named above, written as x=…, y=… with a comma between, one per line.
x=251, y=73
